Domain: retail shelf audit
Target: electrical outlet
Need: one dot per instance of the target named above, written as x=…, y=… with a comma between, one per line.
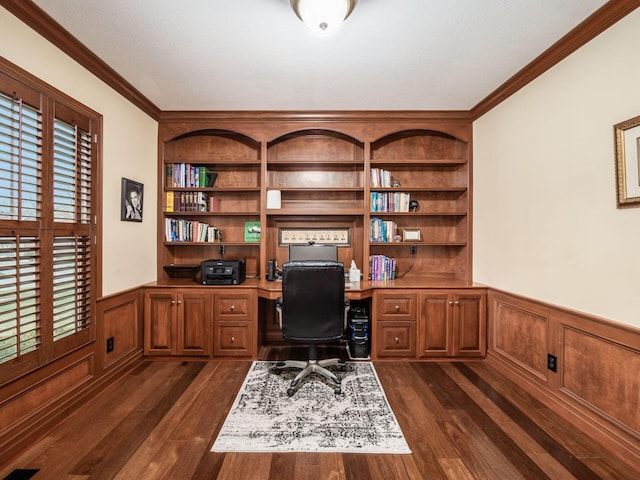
x=413, y=249
x=110, y=341
x=552, y=362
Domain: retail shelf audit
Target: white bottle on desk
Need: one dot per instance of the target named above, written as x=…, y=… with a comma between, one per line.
x=354, y=272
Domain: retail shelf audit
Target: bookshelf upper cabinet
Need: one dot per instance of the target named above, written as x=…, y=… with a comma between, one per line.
x=316, y=172
x=419, y=200
x=211, y=191
x=397, y=182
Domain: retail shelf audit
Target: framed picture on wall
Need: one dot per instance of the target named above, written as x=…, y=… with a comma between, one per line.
x=627, y=148
x=132, y=194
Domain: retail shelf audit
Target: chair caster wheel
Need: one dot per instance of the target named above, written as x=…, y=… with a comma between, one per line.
x=337, y=390
x=291, y=391
x=343, y=368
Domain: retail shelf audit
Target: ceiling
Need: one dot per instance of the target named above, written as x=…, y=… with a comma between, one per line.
x=257, y=55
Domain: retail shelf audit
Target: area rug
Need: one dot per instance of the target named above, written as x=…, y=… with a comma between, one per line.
x=264, y=418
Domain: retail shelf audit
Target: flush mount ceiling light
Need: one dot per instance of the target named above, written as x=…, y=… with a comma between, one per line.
x=322, y=16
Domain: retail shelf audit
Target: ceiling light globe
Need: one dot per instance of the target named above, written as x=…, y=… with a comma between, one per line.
x=323, y=16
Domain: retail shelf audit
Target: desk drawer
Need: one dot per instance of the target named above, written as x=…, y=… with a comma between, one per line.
x=396, y=306
x=234, y=306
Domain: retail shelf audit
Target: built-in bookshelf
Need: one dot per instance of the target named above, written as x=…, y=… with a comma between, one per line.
x=398, y=187
x=211, y=189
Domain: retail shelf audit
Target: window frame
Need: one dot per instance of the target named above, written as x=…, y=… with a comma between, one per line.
x=54, y=104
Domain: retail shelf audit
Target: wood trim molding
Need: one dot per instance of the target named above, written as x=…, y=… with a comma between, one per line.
x=603, y=18
x=38, y=20
x=596, y=383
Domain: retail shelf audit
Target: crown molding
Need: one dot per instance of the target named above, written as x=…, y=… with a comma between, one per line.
x=39, y=21
x=607, y=15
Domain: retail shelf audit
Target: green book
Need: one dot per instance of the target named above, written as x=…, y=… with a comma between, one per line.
x=252, y=231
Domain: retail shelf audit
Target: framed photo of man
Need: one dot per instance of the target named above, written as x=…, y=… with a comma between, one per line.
x=131, y=201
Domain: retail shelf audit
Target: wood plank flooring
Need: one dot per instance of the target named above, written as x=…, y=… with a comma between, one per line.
x=461, y=421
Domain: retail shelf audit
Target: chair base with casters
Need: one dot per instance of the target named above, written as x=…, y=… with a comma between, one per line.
x=314, y=366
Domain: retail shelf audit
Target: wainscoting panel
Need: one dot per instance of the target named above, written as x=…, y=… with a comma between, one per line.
x=603, y=375
x=597, y=383
x=520, y=335
x=121, y=318
x=32, y=404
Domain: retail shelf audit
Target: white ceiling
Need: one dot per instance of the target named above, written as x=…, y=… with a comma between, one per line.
x=257, y=55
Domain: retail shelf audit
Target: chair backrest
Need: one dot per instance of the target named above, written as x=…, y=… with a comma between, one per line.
x=313, y=307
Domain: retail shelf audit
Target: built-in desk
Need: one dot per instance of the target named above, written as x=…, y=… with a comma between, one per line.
x=417, y=317
x=354, y=291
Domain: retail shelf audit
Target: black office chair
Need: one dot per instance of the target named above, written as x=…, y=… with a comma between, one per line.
x=313, y=309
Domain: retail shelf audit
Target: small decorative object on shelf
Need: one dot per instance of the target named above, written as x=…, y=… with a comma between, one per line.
x=413, y=206
x=252, y=231
x=411, y=234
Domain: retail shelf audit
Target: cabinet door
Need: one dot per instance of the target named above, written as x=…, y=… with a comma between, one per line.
x=434, y=325
x=395, y=339
x=469, y=326
x=194, y=323
x=159, y=322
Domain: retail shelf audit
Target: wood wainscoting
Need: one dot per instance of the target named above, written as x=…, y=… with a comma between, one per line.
x=597, y=383
x=31, y=405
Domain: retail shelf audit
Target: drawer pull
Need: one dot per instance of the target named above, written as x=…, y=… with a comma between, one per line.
x=233, y=307
x=233, y=339
x=397, y=340
x=397, y=308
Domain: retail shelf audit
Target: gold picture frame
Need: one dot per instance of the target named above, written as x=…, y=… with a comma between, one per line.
x=627, y=149
x=411, y=235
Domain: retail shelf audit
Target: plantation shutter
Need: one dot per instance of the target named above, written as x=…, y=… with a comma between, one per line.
x=20, y=215
x=48, y=252
x=71, y=209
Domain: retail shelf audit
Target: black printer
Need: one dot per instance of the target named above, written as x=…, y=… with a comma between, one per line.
x=223, y=272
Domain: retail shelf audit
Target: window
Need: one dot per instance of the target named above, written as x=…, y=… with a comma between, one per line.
x=47, y=225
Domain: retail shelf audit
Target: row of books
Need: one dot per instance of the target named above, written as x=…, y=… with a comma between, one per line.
x=190, y=202
x=186, y=175
x=390, y=201
x=380, y=178
x=383, y=230
x=382, y=267
x=179, y=230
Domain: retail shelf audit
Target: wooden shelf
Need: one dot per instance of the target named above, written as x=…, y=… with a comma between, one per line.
x=401, y=162
x=418, y=214
x=211, y=244
x=211, y=214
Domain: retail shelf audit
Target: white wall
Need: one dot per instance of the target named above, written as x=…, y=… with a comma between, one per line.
x=129, y=150
x=545, y=219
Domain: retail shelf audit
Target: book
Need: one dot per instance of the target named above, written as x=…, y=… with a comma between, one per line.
x=252, y=231
x=169, y=204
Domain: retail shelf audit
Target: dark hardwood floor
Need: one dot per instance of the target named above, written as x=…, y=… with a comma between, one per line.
x=461, y=421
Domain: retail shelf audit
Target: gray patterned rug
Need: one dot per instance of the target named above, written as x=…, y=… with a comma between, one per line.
x=264, y=419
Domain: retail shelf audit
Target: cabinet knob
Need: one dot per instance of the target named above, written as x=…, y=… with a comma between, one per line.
x=451, y=303
x=173, y=302
x=179, y=302
x=397, y=308
x=397, y=340
x=456, y=302
x=233, y=307
x=233, y=339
